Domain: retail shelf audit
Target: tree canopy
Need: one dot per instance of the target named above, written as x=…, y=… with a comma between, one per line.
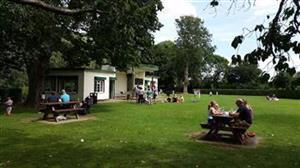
x=194, y=44
x=30, y=35
x=277, y=40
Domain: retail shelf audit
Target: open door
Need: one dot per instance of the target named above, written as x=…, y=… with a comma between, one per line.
x=112, y=88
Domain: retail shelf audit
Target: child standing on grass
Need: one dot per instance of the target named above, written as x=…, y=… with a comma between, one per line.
x=8, y=106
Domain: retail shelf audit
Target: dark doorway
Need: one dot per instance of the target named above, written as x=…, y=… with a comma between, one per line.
x=111, y=88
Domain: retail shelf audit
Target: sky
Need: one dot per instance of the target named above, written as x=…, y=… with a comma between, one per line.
x=222, y=23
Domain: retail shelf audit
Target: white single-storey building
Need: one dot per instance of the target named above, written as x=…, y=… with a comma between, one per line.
x=107, y=82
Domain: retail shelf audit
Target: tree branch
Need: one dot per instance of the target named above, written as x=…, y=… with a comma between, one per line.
x=58, y=10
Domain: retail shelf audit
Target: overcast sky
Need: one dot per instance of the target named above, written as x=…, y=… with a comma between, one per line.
x=223, y=25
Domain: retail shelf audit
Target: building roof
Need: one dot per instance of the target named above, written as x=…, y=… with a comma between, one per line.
x=84, y=69
x=111, y=69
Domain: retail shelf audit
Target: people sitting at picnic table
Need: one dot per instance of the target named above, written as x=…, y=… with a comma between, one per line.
x=64, y=97
x=243, y=115
x=53, y=97
x=213, y=109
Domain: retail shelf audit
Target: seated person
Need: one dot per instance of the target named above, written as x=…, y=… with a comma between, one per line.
x=174, y=98
x=64, y=97
x=86, y=105
x=243, y=115
x=52, y=97
x=181, y=99
x=168, y=98
x=274, y=98
x=213, y=109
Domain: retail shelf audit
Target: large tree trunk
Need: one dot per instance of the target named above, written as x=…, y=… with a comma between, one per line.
x=36, y=78
x=186, y=78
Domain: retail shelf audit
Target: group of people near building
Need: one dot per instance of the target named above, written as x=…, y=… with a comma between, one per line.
x=243, y=116
x=147, y=96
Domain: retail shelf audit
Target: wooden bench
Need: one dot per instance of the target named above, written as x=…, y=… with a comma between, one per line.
x=237, y=132
x=69, y=110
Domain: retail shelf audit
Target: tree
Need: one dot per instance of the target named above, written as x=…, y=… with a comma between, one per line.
x=282, y=80
x=58, y=10
x=296, y=81
x=214, y=70
x=30, y=35
x=278, y=39
x=244, y=75
x=163, y=55
x=194, y=42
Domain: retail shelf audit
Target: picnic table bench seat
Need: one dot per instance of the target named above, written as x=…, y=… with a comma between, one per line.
x=226, y=128
x=58, y=107
x=237, y=132
x=69, y=110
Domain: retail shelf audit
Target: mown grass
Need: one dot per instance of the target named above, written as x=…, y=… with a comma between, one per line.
x=132, y=135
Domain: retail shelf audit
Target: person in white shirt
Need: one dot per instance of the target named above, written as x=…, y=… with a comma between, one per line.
x=8, y=106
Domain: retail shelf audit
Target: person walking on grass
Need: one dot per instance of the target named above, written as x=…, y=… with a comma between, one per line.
x=8, y=106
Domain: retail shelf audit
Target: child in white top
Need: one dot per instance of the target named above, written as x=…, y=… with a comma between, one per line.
x=213, y=109
x=8, y=106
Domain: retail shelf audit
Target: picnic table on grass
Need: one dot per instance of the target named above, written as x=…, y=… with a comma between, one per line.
x=223, y=122
x=60, y=107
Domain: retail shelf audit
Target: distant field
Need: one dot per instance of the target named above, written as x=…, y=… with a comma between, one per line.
x=132, y=135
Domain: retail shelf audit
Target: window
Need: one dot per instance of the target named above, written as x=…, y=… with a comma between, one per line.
x=57, y=83
x=70, y=83
x=50, y=84
x=100, y=84
x=138, y=81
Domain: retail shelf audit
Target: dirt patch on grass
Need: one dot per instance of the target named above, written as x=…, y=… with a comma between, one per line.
x=225, y=141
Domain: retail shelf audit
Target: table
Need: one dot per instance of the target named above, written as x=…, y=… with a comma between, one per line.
x=224, y=122
x=60, y=107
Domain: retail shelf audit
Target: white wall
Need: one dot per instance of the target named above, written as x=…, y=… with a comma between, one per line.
x=89, y=77
x=121, y=83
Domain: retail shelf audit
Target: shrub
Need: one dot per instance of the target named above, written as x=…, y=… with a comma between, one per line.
x=292, y=94
x=15, y=94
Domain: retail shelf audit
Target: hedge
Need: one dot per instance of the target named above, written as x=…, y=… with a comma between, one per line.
x=291, y=94
x=15, y=94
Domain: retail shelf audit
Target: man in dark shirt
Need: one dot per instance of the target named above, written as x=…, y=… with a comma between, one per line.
x=52, y=97
x=243, y=114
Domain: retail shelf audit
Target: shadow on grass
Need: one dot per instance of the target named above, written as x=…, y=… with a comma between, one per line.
x=19, y=149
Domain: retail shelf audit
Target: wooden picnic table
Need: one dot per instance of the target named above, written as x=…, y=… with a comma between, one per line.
x=60, y=107
x=223, y=122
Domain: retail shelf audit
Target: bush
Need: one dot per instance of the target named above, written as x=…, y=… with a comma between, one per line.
x=292, y=94
x=15, y=94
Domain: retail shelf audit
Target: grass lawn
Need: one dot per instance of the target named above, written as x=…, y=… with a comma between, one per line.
x=131, y=135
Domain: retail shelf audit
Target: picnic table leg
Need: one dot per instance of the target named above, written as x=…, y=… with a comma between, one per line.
x=238, y=136
x=76, y=115
x=45, y=116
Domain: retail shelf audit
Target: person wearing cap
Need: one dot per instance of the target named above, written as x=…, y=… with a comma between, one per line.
x=64, y=97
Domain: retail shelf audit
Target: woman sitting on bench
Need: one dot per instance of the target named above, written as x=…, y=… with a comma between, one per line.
x=213, y=109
